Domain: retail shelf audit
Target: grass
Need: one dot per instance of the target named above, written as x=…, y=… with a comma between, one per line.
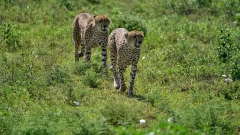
x=179, y=86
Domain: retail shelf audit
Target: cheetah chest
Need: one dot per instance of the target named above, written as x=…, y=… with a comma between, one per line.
x=131, y=58
x=96, y=41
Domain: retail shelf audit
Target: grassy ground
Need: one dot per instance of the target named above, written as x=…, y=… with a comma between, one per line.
x=179, y=86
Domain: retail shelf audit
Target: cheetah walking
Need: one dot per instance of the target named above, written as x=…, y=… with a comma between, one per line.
x=89, y=32
x=124, y=50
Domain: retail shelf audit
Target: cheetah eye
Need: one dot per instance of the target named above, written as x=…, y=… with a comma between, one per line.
x=134, y=36
x=100, y=21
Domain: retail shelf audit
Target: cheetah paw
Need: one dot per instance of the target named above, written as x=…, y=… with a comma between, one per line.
x=80, y=54
x=130, y=94
x=116, y=85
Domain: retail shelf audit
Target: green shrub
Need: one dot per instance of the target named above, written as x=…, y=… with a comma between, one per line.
x=10, y=37
x=91, y=79
x=66, y=4
x=236, y=70
x=128, y=22
x=226, y=48
x=162, y=127
x=237, y=16
x=117, y=112
x=56, y=75
x=208, y=115
x=94, y=1
x=81, y=67
x=228, y=54
x=91, y=127
x=53, y=121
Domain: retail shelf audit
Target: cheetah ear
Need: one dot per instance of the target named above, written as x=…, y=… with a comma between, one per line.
x=142, y=33
x=94, y=16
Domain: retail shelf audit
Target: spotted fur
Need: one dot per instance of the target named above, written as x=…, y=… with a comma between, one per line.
x=124, y=50
x=89, y=32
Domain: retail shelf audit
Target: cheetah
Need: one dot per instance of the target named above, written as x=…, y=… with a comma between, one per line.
x=89, y=32
x=124, y=50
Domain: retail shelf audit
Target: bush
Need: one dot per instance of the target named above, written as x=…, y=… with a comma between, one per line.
x=205, y=117
x=90, y=79
x=161, y=128
x=118, y=112
x=81, y=67
x=228, y=53
x=66, y=4
x=52, y=122
x=56, y=75
x=11, y=38
x=128, y=22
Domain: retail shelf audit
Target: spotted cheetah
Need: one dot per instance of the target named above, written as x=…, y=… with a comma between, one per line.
x=89, y=32
x=124, y=50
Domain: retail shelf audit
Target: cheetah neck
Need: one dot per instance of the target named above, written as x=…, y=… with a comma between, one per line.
x=133, y=50
x=96, y=31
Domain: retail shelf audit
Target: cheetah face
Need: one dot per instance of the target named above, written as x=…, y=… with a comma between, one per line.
x=102, y=22
x=135, y=39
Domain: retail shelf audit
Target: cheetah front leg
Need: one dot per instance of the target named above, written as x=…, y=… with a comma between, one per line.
x=104, y=60
x=121, y=70
x=88, y=48
x=132, y=79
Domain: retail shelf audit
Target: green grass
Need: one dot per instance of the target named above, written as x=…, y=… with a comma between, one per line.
x=179, y=86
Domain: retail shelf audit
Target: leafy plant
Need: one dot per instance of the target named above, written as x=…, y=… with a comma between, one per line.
x=56, y=75
x=90, y=79
x=66, y=4
x=235, y=73
x=118, y=112
x=94, y=1
x=226, y=48
x=10, y=37
x=228, y=53
x=128, y=22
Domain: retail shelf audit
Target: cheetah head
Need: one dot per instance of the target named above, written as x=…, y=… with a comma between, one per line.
x=102, y=22
x=135, y=39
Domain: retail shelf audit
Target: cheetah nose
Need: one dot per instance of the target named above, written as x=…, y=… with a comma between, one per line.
x=104, y=26
x=139, y=42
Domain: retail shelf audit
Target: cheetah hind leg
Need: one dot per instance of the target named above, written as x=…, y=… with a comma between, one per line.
x=115, y=77
x=81, y=53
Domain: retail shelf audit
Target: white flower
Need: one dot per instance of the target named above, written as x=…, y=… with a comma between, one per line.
x=228, y=80
x=142, y=121
x=104, y=119
x=170, y=119
x=76, y=103
x=143, y=57
x=224, y=76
